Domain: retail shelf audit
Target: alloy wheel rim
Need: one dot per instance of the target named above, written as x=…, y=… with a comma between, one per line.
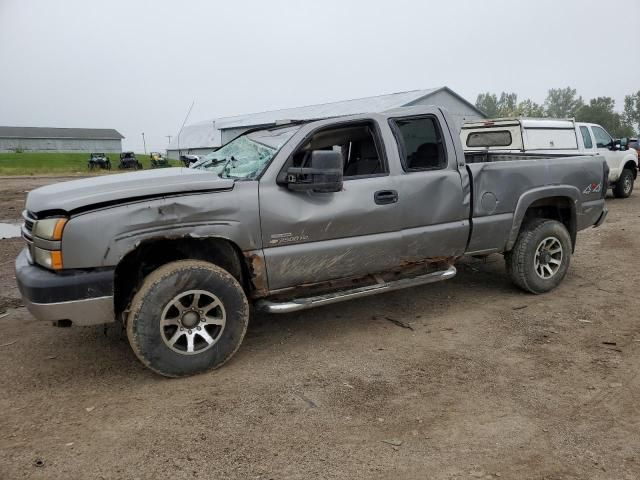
x=548, y=258
x=192, y=322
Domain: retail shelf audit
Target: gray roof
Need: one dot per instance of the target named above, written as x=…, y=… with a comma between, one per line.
x=74, y=133
x=324, y=110
x=207, y=134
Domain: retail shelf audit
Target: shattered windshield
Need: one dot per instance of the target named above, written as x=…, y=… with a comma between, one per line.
x=248, y=155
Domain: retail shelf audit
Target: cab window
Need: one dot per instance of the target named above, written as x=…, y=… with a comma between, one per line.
x=603, y=139
x=358, y=143
x=586, y=137
x=420, y=143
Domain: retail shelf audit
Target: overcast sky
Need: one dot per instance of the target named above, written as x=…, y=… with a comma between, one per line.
x=137, y=65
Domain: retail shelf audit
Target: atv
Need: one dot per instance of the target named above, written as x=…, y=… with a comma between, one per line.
x=158, y=160
x=98, y=160
x=129, y=160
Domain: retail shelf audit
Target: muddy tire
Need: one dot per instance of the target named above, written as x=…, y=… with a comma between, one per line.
x=188, y=317
x=624, y=185
x=540, y=257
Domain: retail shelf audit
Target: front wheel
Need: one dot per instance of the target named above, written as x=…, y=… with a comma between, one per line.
x=540, y=257
x=188, y=317
x=624, y=185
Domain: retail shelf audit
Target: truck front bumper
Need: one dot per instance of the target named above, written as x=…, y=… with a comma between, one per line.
x=85, y=297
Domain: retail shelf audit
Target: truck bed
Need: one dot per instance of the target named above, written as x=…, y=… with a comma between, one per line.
x=501, y=186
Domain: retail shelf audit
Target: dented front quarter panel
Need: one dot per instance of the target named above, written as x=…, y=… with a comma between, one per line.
x=254, y=260
x=103, y=237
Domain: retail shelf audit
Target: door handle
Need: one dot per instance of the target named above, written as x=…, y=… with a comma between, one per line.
x=385, y=197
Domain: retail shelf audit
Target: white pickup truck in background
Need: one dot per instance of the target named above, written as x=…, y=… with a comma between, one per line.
x=563, y=137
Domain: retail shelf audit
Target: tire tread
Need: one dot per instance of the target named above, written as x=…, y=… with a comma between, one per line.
x=517, y=257
x=618, y=189
x=156, y=277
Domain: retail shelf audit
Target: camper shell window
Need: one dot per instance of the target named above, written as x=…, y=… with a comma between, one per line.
x=495, y=138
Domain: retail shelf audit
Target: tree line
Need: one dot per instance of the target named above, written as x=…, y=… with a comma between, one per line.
x=566, y=103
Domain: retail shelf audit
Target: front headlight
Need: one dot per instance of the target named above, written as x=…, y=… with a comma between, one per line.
x=49, y=228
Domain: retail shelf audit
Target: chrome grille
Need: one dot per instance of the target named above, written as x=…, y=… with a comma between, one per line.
x=29, y=220
x=27, y=229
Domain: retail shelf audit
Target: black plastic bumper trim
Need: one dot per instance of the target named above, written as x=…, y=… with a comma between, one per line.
x=39, y=285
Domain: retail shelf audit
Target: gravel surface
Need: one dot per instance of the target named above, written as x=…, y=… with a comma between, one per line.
x=490, y=382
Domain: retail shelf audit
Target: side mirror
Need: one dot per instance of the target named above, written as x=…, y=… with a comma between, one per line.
x=624, y=144
x=324, y=174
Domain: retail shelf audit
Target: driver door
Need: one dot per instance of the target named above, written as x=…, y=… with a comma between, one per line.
x=311, y=237
x=615, y=158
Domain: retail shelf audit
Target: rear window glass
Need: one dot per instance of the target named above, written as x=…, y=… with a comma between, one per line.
x=496, y=138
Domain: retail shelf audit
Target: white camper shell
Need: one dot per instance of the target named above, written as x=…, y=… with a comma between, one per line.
x=548, y=136
x=522, y=135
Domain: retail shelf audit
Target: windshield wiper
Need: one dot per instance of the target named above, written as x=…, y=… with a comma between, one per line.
x=208, y=163
x=224, y=172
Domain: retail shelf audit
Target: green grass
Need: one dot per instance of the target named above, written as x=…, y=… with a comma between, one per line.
x=34, y=163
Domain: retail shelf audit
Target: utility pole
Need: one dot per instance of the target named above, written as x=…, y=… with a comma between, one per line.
x=169, y=137
x=144, y=143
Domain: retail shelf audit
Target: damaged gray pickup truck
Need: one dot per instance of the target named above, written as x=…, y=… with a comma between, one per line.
x=293, y=217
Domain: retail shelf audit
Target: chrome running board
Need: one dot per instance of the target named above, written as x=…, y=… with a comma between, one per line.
x=320, y=300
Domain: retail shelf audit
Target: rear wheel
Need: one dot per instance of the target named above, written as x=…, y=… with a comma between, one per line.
x=624, y=185
x=188, y=317
x=540, y=257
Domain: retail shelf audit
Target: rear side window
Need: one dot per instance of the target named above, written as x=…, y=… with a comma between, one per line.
x=420, y=143
x=586, y=137
x=496, y=138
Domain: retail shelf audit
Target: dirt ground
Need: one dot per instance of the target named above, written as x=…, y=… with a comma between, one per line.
x=489, y=382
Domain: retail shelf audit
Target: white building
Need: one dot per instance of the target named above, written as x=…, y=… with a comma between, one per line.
x=207, y=136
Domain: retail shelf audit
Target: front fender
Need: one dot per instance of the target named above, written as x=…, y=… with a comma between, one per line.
x=101, y=238
x=617, y=166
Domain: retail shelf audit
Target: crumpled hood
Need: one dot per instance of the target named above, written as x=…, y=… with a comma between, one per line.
x=69, y=196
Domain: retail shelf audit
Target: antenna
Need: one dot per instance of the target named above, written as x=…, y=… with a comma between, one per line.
x=185, y=121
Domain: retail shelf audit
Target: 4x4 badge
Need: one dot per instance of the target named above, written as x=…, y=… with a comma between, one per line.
x=593, y=188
